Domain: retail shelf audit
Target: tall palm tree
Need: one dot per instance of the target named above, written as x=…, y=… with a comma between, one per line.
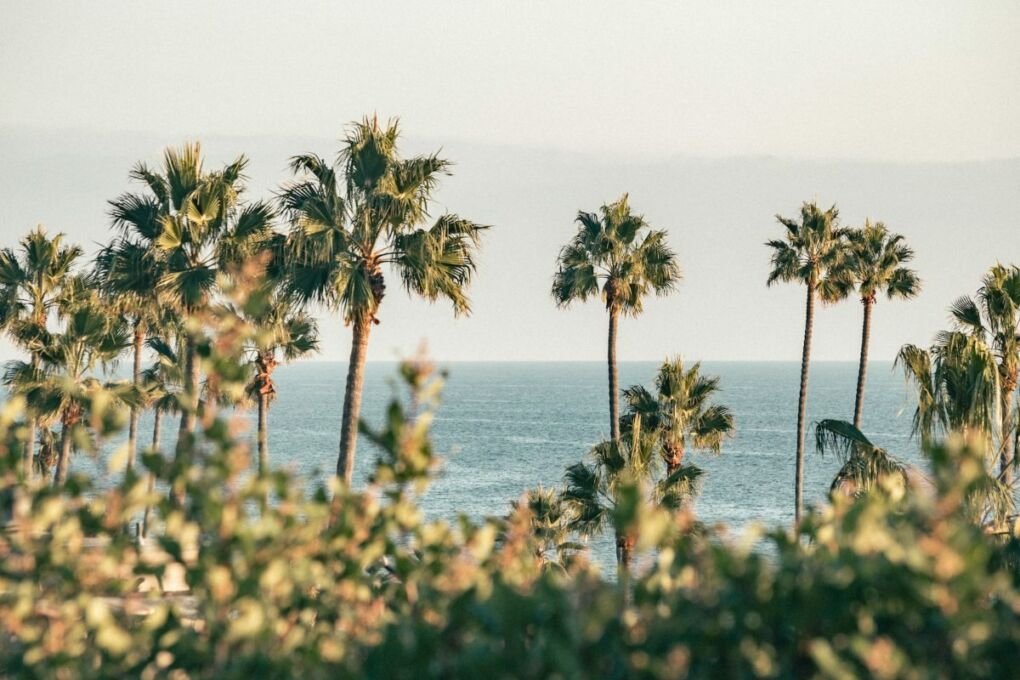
x=864, y=465
x=192, y=225
x=680, y=412
x=813, y=252
x=615, y=255
x=994, y=316
x=31, y=280
x=353, y=218
x=876, y=263
x=282, y=332
x=593, y=491
x=128, y=271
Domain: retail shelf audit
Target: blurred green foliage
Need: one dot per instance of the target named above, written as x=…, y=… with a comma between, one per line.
x=252, y=577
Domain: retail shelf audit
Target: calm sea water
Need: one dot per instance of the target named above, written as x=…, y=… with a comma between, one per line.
x=506, y=427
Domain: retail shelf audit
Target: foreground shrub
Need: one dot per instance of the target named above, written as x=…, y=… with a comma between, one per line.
x=252, y=577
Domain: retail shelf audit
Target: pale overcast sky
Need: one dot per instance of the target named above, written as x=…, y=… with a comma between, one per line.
x=714, y=115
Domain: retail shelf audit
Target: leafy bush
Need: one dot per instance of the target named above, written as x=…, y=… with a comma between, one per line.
x=252, y=577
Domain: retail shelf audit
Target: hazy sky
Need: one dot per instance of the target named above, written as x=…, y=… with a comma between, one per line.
x=715, y=115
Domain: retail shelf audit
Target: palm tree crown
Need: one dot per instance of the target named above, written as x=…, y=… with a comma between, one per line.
x=680, y=412
x=814, y=252
x=876, y=262
x=351, y=219
x=615, y=255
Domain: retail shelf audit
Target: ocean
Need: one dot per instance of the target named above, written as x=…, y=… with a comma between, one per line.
x=503, y=428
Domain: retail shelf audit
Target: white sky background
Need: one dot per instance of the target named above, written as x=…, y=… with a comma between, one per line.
x=714, y=115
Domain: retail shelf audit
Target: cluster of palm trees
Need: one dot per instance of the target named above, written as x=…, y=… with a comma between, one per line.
x=833, y=262
x=191, y=232
x=188, y=236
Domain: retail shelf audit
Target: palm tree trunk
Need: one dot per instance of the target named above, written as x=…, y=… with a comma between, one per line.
x=352, y=397
x=156, y=423
x=263, y=433
x=624, y=555
x=809, y=319
x=614, y=397
x=192, y=378
x=862, y=370
x=675, y=458
x=65, y=455
x=1008, y=437
x=139, y=339
x=33, y=425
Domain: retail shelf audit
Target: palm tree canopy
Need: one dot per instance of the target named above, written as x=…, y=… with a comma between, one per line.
x=615, y=254
x=64, y=383
x=188, y=226
x=864, y=465
x=876, y=262
x=815, y=251
x=994, y=316
x=957, y=384
x=30, y=283
x=681, y=410
x=591, y=490
x=367, y=211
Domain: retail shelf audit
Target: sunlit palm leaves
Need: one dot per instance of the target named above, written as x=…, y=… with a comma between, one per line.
x=615, y=255
x=957, y=385
x=864, y=465
x=994, y=317
x=680, y=412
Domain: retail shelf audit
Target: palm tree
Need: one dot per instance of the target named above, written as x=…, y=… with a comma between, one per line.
x=680, y=412
x=351, y=219
x=281, y=333
x=547, y=525
x=63, y=385
x=994, y=316
x=876, y=264
x=30, y=284
x=191, y=225
x=593, y=493
x=813, y=253
x=616, y=255
x=864, y=465
x=128, y=271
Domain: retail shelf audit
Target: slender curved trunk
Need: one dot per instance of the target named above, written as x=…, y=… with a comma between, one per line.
x=263, y=444
x=65, y=454
x=28, y=461
x=809, y=319
x=136, y=411
x=352, y=397
x=862, y=370
x=1008, y=436
x=614, y=396
x=189, y=413
x=156, y=423
x=192, y=378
